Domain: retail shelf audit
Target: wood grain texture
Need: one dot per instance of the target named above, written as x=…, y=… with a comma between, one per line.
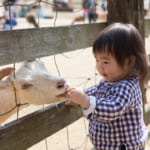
x=27, y=131
x=20, y=45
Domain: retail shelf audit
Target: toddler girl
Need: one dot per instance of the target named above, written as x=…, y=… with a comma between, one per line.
x=114, y=106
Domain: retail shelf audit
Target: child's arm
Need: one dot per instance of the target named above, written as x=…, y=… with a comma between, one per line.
x=105, y=108
x=84, y=96
x=6, y=71
x=93, y=90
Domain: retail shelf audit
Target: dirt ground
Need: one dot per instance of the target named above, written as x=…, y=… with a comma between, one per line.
x=68, y=64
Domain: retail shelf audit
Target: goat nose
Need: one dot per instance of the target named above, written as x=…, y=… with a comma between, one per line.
x=60, y=83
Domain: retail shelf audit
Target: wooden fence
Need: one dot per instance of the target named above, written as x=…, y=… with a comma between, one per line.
x=20, y=45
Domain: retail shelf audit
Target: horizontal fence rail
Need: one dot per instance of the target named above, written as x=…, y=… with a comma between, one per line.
x=29, y=130
x=20, y=45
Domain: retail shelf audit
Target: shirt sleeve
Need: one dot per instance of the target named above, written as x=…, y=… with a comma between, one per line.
x=92, y=91
x=114, y=105
x=91, y=108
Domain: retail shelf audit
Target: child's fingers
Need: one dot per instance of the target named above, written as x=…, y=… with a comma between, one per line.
x=69, y=103
x=68, y=91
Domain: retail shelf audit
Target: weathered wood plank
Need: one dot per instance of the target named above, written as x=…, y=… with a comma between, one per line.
x=31, y=129
x=20, y=45
x=148, y=75
x=146, y=116
x=147, y=26
x=128, y=11
x=25, y=132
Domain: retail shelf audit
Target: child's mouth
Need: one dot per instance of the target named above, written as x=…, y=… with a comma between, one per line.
x=104, y=75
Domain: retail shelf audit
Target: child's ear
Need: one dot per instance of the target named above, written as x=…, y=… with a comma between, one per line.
x=132, y=60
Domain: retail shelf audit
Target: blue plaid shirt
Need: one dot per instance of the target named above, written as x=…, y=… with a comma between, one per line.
x=116, y=115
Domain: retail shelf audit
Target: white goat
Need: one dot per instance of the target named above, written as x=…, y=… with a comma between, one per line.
x=34, y=85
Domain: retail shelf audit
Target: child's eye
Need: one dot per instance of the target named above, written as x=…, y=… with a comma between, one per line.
x=105, y=62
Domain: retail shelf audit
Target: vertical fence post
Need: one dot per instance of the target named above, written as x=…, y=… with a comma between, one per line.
x=131, y=11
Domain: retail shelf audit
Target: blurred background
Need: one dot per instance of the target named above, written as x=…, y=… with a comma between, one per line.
x=68, y=12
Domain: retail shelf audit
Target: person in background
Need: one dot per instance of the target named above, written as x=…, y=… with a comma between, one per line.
x=13, y=22
x=103, y=6
x=89, y=8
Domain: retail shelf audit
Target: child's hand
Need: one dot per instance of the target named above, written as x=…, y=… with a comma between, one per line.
x=5, y=72
x=77, y=96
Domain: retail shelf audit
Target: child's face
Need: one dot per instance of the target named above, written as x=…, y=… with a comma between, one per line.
x=109, y=68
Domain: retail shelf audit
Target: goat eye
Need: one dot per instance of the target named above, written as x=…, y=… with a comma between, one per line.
x=26, y=86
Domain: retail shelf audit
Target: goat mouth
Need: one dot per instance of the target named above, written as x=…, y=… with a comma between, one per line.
x=62, y=95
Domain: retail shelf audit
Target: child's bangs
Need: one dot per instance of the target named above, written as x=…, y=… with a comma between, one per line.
x=103, y=46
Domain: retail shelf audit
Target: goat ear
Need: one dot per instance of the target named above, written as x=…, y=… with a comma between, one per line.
x=26, y=85
x=23, y=84
x=4, y=84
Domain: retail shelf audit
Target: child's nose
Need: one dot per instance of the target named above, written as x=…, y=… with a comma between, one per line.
x=101, y=66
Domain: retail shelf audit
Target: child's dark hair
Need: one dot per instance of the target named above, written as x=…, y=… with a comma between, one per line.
x=123, y=41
